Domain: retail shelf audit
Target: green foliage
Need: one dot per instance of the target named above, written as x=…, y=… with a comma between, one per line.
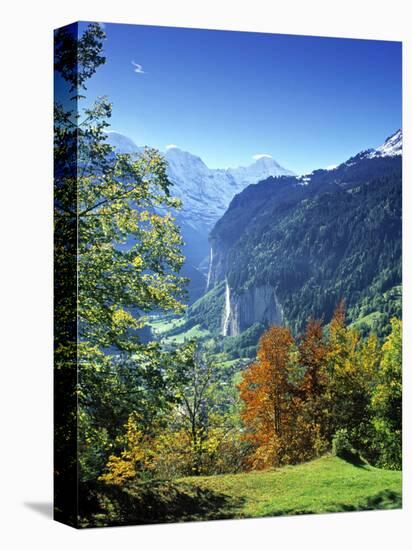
x=342, y=447
x=387, y=400
x=146, y=410
x=244, y=345
x=206, y=312
x=333, y=389
x=115, y=211
x=198, y=435
x=78, y=57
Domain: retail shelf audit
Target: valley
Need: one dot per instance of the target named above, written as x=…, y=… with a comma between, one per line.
x=288, y=248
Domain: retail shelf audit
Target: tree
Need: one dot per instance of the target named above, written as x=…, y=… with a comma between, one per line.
x=118, y=255
x=312, y=357
x=387, y=400
x=352, y=365
x=201, y=423
x=198, y=435
x=267, y=392
x=313, y=409
x=69, y=50
x=135, y=456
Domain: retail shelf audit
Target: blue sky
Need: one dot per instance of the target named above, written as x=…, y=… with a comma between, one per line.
x=309, y=102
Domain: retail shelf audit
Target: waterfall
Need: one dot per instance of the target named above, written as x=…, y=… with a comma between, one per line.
x=209, y=273
x=227, y=310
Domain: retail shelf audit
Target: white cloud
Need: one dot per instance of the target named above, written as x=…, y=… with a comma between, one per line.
x=261, y=156
x=171, y=146
x=137, y=68
x=331, y=167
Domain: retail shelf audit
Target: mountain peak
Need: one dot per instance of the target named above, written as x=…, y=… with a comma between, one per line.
x=206, y=192
x=122, y=143
x=392, y=145
x=266, y=161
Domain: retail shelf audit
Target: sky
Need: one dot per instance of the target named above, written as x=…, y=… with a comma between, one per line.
x=308, y=102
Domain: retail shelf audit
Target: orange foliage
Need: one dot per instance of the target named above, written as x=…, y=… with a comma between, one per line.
x=283, y=397
x=312, y=354
x=266, y=391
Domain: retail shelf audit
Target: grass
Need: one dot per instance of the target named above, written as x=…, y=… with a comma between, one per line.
x=328, y=484
x=161, y=325
x=194, y=332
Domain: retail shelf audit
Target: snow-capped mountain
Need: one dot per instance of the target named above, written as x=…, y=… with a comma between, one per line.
x=261, y=169
x=205, y=192
x=122, y=143
x=390, y=148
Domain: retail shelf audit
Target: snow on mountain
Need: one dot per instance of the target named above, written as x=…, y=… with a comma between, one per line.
x=122, y=143
x=391, y=147
x=205, y=192
x=261, y=169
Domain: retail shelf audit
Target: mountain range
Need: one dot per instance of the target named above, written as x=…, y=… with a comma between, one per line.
x=266, y=247
x=205, y=194
x=289, y=248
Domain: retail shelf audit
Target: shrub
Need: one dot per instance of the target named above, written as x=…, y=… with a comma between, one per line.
x=342, y=447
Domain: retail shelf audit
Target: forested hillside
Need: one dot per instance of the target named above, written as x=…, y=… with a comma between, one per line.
x=312, y=241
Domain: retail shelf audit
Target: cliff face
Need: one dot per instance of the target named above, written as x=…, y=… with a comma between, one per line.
x=255, y=305
x=217, y=263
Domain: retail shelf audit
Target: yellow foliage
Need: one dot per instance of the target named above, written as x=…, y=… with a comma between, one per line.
x=135, y=457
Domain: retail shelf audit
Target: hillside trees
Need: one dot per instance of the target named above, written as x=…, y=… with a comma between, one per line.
x=124, y=255
x=200, y=434
x=297, y=397
x=338, y=236
x=352, y=364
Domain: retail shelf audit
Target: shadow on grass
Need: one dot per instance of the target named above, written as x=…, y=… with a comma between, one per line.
x=384, y=500
x=155, y=502
x=354, y=457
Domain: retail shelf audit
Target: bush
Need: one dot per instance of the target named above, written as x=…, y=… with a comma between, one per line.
x=341, y=447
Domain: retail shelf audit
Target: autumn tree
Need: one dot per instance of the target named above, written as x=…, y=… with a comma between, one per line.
x=312, y=357
x=135, y=456
x=313, y=387
x=267, y=391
